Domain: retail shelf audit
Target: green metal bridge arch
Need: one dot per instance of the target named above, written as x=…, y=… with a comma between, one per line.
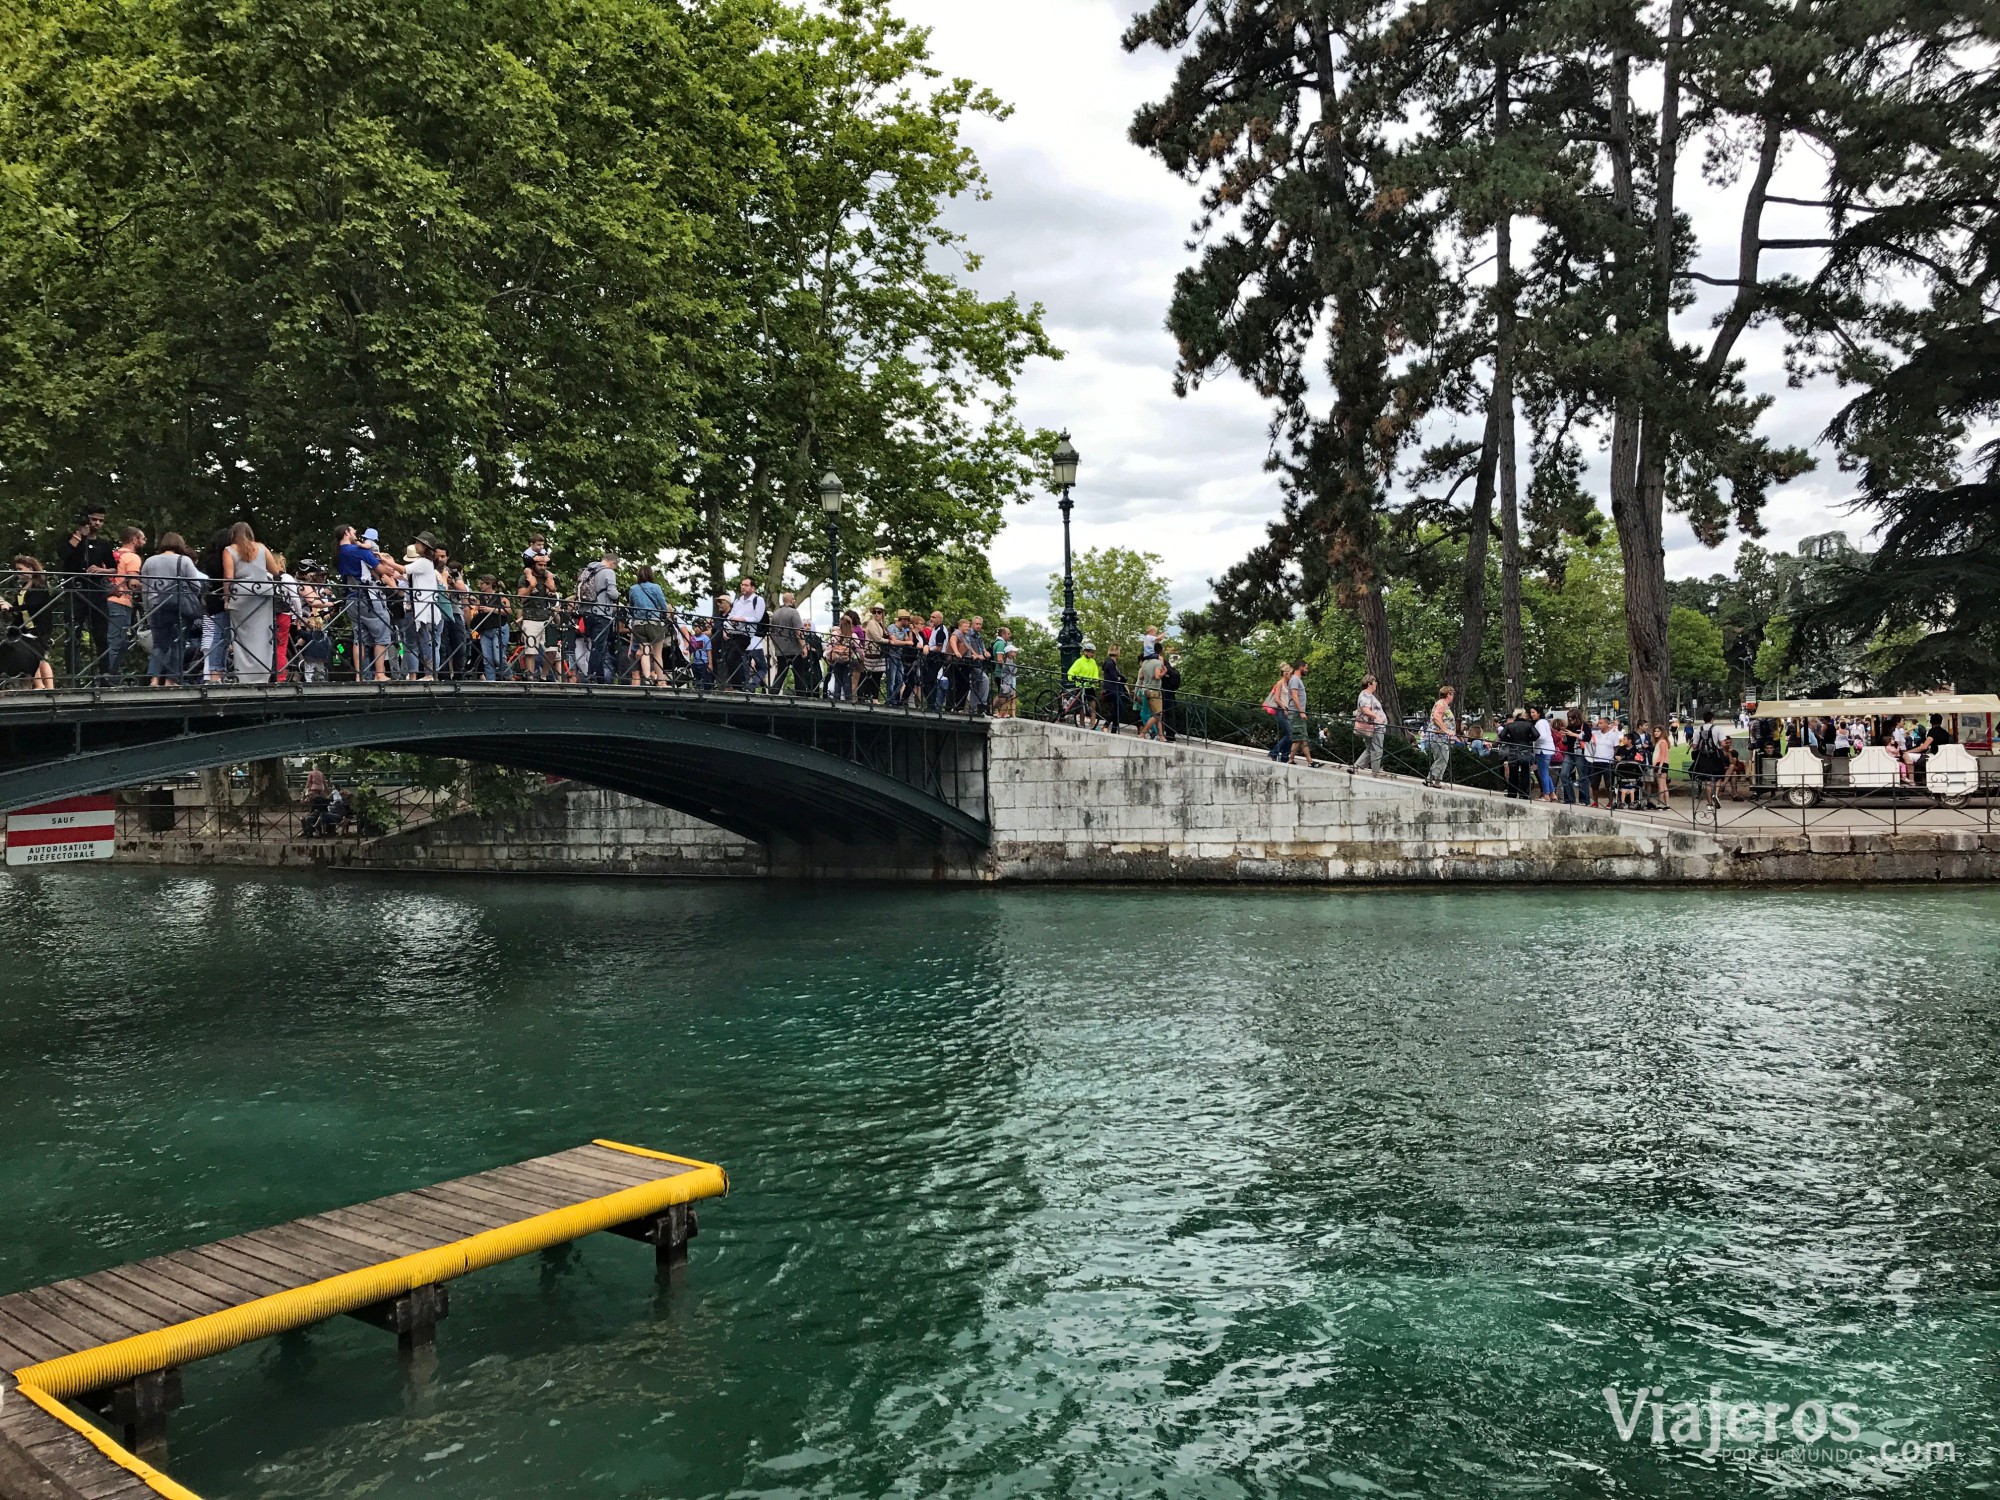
x=768, y=768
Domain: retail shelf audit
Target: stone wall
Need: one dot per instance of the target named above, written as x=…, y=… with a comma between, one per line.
x=570, y=830
x=1072, y=804
x=1069, y=805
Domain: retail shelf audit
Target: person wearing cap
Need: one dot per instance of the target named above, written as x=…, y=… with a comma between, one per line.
x=364, y=573
x=1006, y=673
x=1086, y=674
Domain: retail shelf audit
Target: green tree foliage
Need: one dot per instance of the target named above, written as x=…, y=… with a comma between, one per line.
x=1570, y=634
x=1916, y=209
x=958, y=580
x=1119, y=593
x=436, y=263
x=1695, y=644
x=616, y=270
x=1773, y=656
x=855, y=345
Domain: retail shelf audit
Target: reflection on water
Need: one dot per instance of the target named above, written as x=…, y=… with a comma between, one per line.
x=1088, y=1193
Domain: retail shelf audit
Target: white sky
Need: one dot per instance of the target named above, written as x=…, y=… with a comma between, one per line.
x=1095, y=229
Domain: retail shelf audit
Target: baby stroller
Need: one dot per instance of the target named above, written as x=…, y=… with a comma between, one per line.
x=1632, y=780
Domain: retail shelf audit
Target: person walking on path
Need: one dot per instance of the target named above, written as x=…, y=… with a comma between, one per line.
x=1274, y=705
x=1170, y=687
x=1111, y=697
x=1006, y=673
x=1443, y=735
x=1371, y=727
x=1295, y=711
x=1151, y=720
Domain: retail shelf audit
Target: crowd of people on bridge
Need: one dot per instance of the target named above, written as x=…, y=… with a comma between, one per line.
x=237, y=611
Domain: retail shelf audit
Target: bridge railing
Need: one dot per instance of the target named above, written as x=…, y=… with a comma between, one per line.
x=99, y=631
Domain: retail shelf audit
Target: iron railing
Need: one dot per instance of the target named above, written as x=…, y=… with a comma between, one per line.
x=186, y=632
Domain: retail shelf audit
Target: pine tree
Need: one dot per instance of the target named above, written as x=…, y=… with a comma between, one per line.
x=1318, y=257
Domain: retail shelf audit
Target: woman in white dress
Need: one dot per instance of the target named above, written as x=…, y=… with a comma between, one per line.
x=250, y=595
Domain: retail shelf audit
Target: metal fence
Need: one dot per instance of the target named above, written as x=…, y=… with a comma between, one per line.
x=92, y=630
x=362, y=809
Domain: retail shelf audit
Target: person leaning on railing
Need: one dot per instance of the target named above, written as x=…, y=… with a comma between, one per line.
x=539, y=596
x=364, y=573
x=24, y=613
x=171, y=586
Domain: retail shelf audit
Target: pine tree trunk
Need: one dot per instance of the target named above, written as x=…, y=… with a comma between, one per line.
x=1642, y=545
x=1374, y=615
x=1464, y=659
x=1512, y=648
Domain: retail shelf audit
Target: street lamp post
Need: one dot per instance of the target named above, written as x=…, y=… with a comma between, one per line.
x=1069, y=639
x=831, y=493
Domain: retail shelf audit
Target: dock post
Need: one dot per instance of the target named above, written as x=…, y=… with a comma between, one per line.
x=141, y=1407
x=413, y=1318
x=668, y=1232
x=678, y=1226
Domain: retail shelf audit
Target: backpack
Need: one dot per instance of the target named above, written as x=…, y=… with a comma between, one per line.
x=1707, y=756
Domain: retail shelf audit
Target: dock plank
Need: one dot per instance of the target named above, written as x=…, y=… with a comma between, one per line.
x=96, y=1313
x=249, y=1263
x=467, y=1221
x=391, y=1240
x=436, y=1219
x=590, y=1185
x=187, y=1285
x=582, y=1178
x=509, y=1205
x=159, y=1310
x=323, y=1257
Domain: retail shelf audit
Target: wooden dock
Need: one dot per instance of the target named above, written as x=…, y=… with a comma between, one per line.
x=114, y=1341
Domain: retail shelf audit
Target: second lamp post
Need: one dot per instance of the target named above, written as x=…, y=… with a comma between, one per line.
x=1062, y=469
x=831, y=493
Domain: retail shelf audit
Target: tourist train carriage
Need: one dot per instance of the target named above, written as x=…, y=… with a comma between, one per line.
x=1951, y=776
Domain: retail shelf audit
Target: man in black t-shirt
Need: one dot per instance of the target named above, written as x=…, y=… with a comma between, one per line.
x=87, y=551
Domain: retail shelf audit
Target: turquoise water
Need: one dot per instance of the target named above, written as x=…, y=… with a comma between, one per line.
x=1087, y=1193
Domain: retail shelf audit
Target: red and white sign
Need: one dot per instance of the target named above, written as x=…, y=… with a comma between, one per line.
x=57, y=832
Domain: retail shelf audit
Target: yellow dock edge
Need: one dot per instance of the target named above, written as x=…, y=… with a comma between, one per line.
x=53, y=1382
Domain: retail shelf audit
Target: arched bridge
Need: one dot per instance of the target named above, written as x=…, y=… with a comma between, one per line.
x=773, y=769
